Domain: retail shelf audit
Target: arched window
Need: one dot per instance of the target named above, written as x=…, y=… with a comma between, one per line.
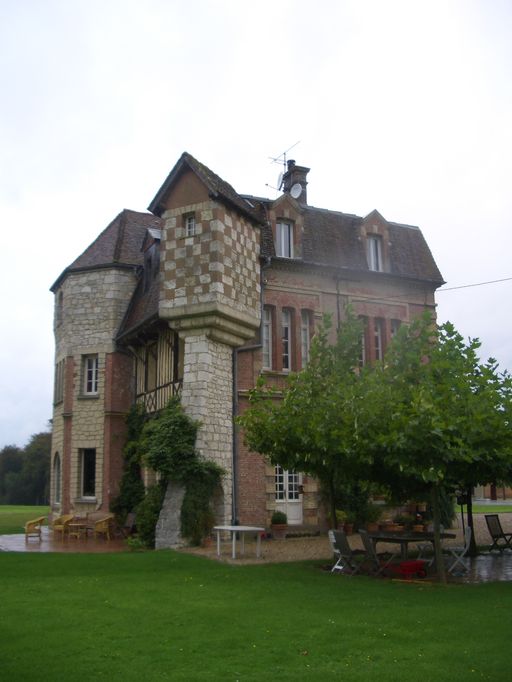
x=57, y=478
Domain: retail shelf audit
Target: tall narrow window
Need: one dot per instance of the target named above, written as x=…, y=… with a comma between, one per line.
x=266, y=340
x=88, y=472
x=58, y=395
x=286, y=323
x=378, y=336
x=362, y=357
x=190, y=225
x=91, y=374
x=284, y=240
x=57, y=483
x=374, y=248
x=305, y=318
x=279, y=483
x=395, y=326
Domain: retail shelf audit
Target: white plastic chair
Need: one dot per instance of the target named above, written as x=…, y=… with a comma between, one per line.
x=457, y=553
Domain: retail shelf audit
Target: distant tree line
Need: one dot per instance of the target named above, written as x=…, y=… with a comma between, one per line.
x=25, y=472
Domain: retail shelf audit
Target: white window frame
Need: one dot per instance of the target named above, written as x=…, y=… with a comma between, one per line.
x=374, y=252
x=378, y=337
x=190, y=225
x=286, y=328
x=266, y=338
x=87, y=494
x=91, y=374
x=305, y=336
x=362, y=358
x=284, y=239
x=395, y=326
x=58, y=394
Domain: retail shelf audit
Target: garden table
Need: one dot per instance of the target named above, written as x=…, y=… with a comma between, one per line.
x=77, y=528
x=403, y=539
x=242, y=530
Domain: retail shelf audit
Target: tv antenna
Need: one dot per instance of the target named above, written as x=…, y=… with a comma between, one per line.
x=281, y=159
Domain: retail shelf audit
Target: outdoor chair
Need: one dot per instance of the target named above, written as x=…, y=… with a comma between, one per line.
x=497, y=534
x=33, y=528
x=128, y=527
x=426, y=549
x=455, y=554
x=378, y=562
x=345, y=559
x=102, y=527
x=60, y=524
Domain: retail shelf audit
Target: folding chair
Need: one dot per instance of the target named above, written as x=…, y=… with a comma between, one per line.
x=345, y=555
x=497, y=534
x=458, y=553
x=377, y=561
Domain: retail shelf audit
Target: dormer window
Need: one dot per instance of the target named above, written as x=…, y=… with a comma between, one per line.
x=374, y=252
x=284, y=240
x=190, y=225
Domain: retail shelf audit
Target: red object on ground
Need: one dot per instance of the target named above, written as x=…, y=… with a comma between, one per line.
x=410, y=569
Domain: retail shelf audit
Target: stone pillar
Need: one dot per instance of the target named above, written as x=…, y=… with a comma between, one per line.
x=208, y=396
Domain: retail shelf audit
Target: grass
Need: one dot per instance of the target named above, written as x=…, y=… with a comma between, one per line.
x=13, y=517
x=489, y=508
x=165, y=615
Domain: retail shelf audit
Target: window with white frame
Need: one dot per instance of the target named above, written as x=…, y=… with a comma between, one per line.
x=305, y=338
x=190, y=225
x=378, y=335
x=395, y=326
x=284, y=240
x=279, y=483
x=286, y=326
x=374, y=252
x=286, y=484
x=362, y=357
x=91, y=366
x=266, y=338
x=58, y=394
x=88, y=472
x=57, y=482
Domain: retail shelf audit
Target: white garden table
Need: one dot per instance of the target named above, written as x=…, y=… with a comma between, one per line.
x=242, y=530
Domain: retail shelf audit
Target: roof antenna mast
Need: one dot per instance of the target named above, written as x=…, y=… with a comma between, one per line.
x=281, y=159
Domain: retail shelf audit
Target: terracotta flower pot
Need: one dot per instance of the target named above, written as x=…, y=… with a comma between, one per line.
x=279, y=530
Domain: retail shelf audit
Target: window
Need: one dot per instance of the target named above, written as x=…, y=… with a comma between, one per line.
x=286, y=484
x=88, y=472
x=190, y=225
x=57, y=483
x=284, y=240
x=91, y=374
x=374, y=248
x=395, y=326
x=60, y=307
x=378, y=335
x=286, y=324
x=266, y=340
x=362, y=357
x=58, y=392
x=305, y=319
x=279, y=483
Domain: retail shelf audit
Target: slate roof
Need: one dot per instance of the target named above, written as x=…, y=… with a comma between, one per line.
x=119, y=244
x=142, y=309
x=332, y=238
x=217, y=187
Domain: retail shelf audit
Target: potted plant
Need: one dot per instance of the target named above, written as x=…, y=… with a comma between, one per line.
x=348, y=526
x=341, y=517
x=279, y=525
x=372, y=516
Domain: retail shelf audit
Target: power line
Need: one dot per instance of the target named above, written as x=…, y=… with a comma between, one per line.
x=478, y=284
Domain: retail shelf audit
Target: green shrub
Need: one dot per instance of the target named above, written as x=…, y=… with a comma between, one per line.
x=148, y=512
x=278, y=518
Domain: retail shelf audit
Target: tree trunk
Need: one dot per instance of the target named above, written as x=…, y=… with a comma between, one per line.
x=473, y=550
x=437, y=538
x=332, y=500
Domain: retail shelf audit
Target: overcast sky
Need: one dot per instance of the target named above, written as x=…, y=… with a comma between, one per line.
x=401, y=106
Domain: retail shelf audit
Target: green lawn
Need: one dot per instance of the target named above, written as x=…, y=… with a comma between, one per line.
x=163, y=615
x=490, y=508
x=13, y=517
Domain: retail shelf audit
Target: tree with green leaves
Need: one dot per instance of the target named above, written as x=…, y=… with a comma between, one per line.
x=436, y=418
x=312, y=425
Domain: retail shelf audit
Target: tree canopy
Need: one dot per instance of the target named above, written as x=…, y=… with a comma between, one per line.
x=431, y=416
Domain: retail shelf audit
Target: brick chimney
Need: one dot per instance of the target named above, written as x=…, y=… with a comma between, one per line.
x=296, y=175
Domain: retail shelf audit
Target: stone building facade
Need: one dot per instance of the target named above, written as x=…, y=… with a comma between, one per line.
x=200, y=296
